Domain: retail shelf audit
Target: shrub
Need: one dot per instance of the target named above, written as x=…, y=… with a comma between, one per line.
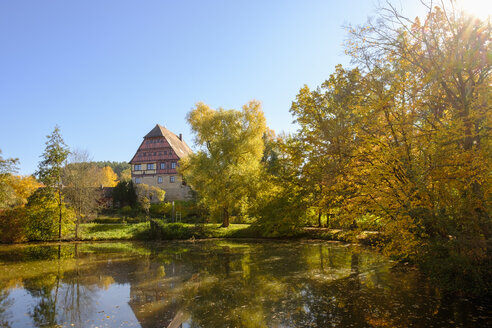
x=13, y=224
x=42, y=215
x=161, y=209
x=126, y=210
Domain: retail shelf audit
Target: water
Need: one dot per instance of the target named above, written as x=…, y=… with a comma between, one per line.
x=219, y=284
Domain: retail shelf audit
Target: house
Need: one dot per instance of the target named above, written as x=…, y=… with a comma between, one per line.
x=156, y=160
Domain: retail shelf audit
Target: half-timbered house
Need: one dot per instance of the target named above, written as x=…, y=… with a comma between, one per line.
x=156, y=161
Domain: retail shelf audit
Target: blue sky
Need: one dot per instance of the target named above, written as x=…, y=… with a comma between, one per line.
x=107, y=71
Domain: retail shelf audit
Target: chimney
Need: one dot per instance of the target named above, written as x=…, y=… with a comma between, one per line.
x=180, y=137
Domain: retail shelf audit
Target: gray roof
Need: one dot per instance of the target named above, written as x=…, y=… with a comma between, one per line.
x=179, y=146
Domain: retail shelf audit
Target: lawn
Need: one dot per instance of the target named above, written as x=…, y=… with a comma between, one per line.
x=114, y=231
x=165, y=231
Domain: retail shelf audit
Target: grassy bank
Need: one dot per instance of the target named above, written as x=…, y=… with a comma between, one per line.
x=159, y=230
x=163, y=231
x=114, y=231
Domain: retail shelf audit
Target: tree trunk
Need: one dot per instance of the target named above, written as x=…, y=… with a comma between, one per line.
x=319, y=218
x=225, y=222
x=60, y=208
x=77, y=222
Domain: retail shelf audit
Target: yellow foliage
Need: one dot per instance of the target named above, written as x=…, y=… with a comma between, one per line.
x=109, y=178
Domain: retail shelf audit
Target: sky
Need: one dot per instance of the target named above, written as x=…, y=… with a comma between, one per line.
x=107, y=71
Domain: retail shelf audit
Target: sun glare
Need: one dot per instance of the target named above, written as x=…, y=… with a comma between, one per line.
x=479, y=8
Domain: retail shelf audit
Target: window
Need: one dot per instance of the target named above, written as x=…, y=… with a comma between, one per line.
x=165, y=153
x=171, y=179
x=173, y=165
x=163, y=166
x=159, y=179
x=155, y=153
x=137, y=167
x=150, y=166
x=138, y=180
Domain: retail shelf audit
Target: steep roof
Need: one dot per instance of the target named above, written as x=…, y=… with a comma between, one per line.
x=178, y=145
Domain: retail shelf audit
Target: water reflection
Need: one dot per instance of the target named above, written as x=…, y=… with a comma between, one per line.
x=218, y=284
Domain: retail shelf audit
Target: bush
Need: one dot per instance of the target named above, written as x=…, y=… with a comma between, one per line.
x=168, y=231
x=283, y=215
x=42, y=215
x=126, y=210
x=13, y=224
x=161, y=209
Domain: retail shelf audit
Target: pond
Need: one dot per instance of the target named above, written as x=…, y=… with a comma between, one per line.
x=219, y=284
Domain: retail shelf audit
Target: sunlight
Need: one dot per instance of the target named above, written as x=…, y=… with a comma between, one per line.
x=479, y=8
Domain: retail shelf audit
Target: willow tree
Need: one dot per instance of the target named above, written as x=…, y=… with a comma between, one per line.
x=226, y=168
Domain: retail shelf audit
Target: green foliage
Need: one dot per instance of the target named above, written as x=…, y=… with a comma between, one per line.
x=282, y=214
x=50, y=169
x=148, y=194
x=96, y=231
x=42, y=216
x=124, y=194
x=226, y=169
x=161, y=209
x=178, y=230
x=49, y=172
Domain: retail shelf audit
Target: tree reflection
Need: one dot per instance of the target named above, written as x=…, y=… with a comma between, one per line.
x=5, y=304
x=227, y=284
x=43, y=313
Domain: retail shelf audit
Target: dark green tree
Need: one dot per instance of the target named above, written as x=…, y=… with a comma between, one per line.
x=124, y=194
x=50, y=169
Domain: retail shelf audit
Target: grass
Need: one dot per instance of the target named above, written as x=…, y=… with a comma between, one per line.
x=114, y=231
x=159, y=230
x=167, y=231
x=164, y=231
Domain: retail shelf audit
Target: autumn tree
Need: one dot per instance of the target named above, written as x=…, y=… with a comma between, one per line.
x=50, y=169
x=424, y=154
x=82, y=180
x=281, y=203
x=227, y=166
x=14, y=194
x=327, y=118
x=7, y=193
x=109, y=178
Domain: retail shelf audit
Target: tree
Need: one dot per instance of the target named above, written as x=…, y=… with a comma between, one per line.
x=81, y=179
x=7, y=193
x=126, y=175
x=148, y=194
x=124, y=194
x=424, y=150
x=117, y=167
x=50, y=168
x=328, y=117
x=109, y=178
x=226, y=168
